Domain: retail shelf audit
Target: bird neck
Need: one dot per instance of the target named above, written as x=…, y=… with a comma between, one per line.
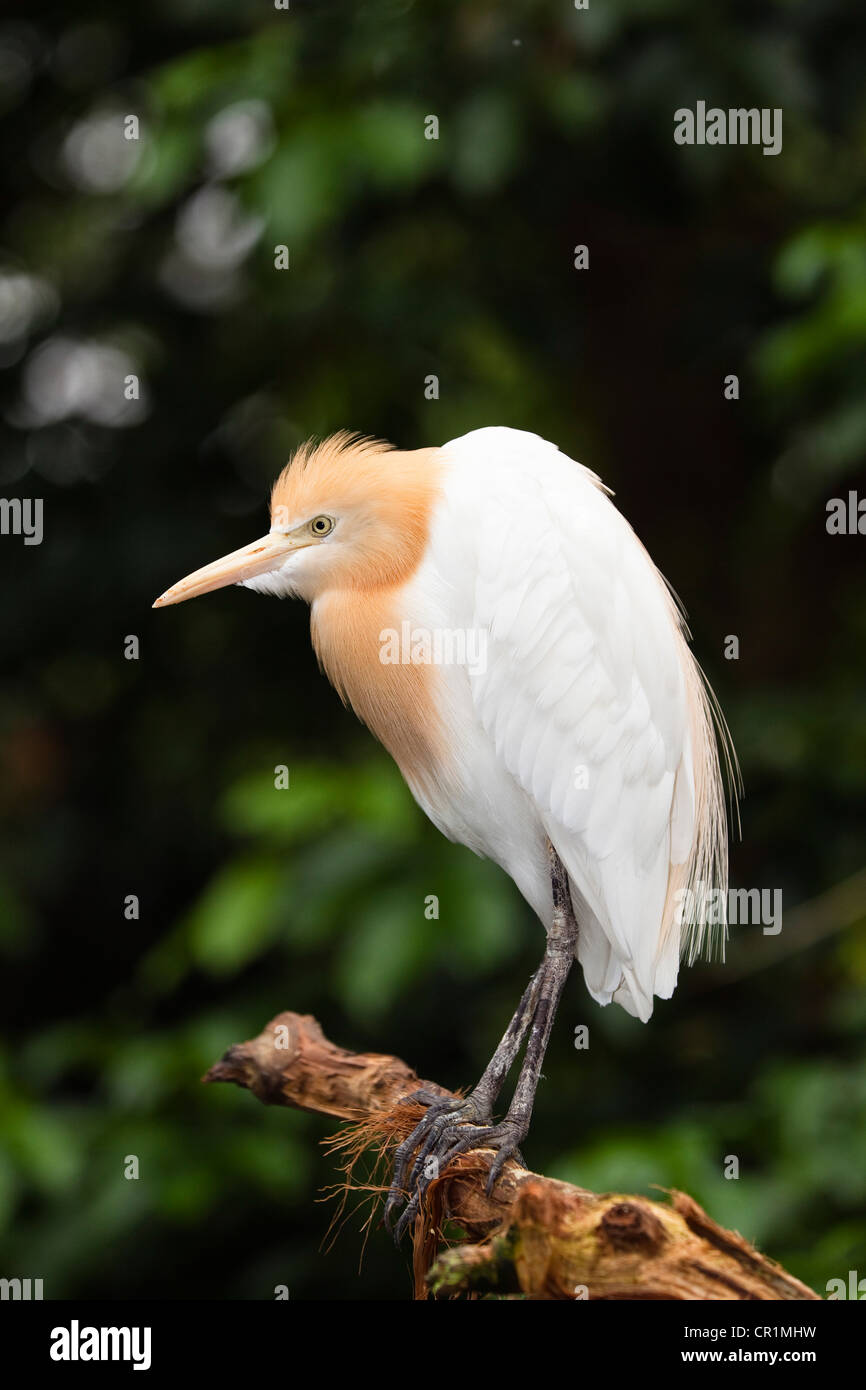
x=399, y=702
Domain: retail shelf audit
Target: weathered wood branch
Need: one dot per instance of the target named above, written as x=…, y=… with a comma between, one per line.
x=533, y=1236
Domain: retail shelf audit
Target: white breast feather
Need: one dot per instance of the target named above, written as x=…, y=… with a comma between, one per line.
x=589, y=680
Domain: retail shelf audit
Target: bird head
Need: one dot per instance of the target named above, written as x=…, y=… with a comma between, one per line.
x=350, y=513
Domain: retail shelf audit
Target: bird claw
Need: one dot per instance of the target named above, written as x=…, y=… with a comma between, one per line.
x=450, y=1127
x=414, y=1171
x=508, y=1147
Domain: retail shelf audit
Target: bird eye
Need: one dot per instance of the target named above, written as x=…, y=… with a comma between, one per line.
x=321, y=525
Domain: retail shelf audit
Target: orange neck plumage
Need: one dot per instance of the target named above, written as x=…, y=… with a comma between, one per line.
x=364, y=595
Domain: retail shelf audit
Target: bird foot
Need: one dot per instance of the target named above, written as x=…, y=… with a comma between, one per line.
x=450, y=1127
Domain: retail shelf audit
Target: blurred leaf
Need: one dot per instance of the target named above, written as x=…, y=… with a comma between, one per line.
x=237, y=916
x=384, y=947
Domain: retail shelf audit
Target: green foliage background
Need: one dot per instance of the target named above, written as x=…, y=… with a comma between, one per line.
x=411, y=257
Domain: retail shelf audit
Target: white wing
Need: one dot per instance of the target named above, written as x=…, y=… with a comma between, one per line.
x=594, y=705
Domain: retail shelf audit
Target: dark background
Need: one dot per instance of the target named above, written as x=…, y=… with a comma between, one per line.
x=154, y=776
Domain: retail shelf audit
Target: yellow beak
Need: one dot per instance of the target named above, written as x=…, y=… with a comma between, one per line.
x=258, y=558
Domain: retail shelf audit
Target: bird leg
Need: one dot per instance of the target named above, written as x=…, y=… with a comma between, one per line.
x=452, y=1126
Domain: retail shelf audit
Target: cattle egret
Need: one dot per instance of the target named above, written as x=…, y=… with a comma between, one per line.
x=494, y=620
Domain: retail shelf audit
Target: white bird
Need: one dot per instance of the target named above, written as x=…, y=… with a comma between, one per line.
x=494, y=620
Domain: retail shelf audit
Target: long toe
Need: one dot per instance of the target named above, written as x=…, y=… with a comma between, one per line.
x=508, y=1147
x=451, y=1140
x=418, y=1159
